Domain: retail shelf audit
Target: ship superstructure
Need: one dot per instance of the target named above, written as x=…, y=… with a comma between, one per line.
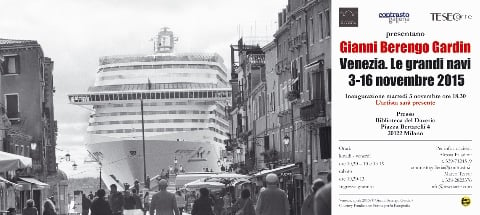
x=182, y=98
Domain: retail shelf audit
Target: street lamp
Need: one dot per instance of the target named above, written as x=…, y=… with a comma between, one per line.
x=219, y=163
x=238, y=150
x=33, y=146
x=74, y=165
x=67, y=157
x=286, y=140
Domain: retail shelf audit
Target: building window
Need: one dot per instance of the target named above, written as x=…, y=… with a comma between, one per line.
x=294, y=76
x=312, y=32
x=11, y=64
x=273, y=101
x=327, y=23
x=11, y=102
x=320, y=23
x=329, y=84
x=300, y=73
x=299, y=26
x=325, y=143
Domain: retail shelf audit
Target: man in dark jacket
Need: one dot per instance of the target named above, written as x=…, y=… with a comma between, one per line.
x=323, y=200
x=99, y=205
x=307, y=206
x=272, y=201
x=203, y=205
x=163, y=202
x=116, y=200
x=86, y=203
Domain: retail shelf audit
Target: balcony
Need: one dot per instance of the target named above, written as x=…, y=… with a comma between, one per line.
x=290, y=44
x=282, y=66
x=299, y=40
x=293, y=95
x=316, y=108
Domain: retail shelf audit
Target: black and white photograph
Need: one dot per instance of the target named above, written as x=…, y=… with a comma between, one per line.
x=195, y=107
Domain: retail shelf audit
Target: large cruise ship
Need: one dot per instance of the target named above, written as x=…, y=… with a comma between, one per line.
x=173, y=103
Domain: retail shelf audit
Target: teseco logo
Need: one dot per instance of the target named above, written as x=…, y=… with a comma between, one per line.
x=395, y=17
x=448, y=17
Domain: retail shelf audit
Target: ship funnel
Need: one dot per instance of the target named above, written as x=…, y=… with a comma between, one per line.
x=165, y=41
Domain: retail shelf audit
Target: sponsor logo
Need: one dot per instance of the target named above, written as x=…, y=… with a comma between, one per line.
x=450, y=17
x=348, y=17
x=466, y=201
x=392, y=18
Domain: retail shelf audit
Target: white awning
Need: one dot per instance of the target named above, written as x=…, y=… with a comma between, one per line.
x=35, y=182
x=201, y=183
x=9, y=161
x=264, y=172
x=8, y=182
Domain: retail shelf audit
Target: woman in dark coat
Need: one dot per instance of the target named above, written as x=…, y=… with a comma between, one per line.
x=30, y=209
x=245, y=203
x=203, y=205
x=99, y=205
x=49, y=208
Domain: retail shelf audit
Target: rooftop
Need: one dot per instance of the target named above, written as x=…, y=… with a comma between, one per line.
x=12, y=42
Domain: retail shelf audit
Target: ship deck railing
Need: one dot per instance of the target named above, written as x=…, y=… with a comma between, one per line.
x=113, y=97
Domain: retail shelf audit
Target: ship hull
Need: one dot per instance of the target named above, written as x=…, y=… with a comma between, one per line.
x=122, y=160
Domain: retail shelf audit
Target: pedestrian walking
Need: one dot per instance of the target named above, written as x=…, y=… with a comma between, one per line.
x=180, y=201
x=129, y=204
x=136, y=185
x=219, y=203
x=116, y=200
x=227, y=199
x=147, y=182
x=163, y=174
x=163, y=202
x=138, y=200
x=307, y=206
x=244, y=206
x=272, y=201
x=90, y=196
x=86, y=203
x=30, y=209
x=203, y=205
x=49, y=208
x=146, y=203
x=99, y=205
x=190, y=200
x=323, y=200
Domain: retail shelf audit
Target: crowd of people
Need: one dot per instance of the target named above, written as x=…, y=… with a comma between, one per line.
x=31, y=209
x=271, y=200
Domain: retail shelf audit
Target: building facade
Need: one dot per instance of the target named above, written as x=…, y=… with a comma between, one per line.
x=26, y=90
x=290, y=111
x=248, y=88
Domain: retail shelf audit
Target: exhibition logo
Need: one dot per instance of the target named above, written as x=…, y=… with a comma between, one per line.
x=392, y=18
x=450, y=17
x=348, y=17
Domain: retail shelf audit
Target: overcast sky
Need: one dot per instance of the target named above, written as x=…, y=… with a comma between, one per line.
x=75, y=33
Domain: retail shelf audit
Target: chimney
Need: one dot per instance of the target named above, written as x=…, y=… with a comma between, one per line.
x=280, y=19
